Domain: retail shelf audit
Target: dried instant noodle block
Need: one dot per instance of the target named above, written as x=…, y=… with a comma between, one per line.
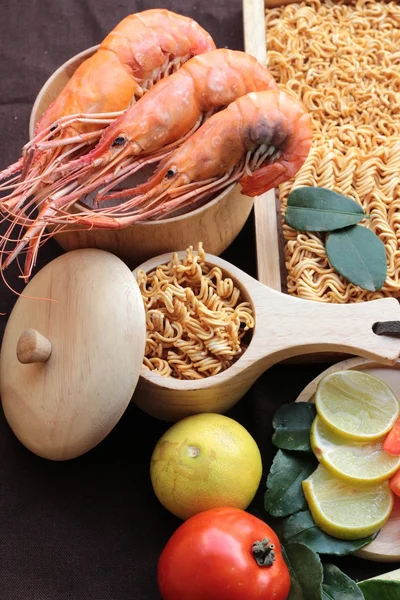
x=342, y=58
x=195, y=318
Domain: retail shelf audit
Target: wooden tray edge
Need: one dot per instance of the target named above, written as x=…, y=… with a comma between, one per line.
x=266, y=211
x=271, y=269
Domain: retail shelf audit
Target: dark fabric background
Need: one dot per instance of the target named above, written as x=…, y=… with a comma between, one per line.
x=91, y=529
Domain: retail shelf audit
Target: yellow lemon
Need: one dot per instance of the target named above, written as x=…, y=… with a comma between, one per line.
x=345, y=511
x=358, y=463
x=203, y=462
x=356, y=405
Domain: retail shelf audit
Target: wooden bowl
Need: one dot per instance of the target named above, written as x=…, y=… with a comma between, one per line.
x=216, y=223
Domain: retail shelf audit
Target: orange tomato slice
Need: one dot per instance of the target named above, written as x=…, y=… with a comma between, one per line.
x=395, y=483
x=392, y=441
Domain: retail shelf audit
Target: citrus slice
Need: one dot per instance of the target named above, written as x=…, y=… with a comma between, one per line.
x=357, y=463
x=345, y=511
x=356, y=405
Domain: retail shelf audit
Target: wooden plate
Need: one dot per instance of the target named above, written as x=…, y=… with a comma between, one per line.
x=391, y=576
x=386, y=546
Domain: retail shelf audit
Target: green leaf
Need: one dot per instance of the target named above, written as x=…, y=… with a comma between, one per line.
x=338, y=586
x=292, y=424
x=295, y=588
x=380, y=589
x=306, y=573
x=284, y=495
x=359, y=255
x=319, y=209
x=301, y=528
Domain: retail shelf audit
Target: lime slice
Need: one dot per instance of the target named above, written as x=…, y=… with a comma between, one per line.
x=356, y=405
x=357, y=463
x=345, y=511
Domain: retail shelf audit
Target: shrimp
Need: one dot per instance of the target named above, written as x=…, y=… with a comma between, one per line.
x=260, y=141
x=148, y=131
x=142, y=49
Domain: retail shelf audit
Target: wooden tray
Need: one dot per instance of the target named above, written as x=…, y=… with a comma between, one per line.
x=271, y=269
x=269, y=239
x=386, y=546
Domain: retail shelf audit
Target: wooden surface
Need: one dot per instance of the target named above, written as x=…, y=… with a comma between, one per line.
x=285, y=327
x=265, y=212
x=95, y=321
x=271, y=269
x=391, y=576
x=386, y=546
x=216, y=224
x=91, y=528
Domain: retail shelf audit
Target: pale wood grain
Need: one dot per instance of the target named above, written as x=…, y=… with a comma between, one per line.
x=254, y=29
x=386, y=546
x=216, y=224
x=391, y=576
x=285, y=327
x=265, y=214
x=95, y=322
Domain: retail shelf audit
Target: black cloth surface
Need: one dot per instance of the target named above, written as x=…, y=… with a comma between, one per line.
x=91, y=528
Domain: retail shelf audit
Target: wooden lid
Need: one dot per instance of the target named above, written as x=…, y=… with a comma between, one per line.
x=72, y=353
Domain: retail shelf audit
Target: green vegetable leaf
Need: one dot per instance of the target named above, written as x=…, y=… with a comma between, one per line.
x=301, y=528
x=359, y=255
x=320, y=209
x=306, y=573
x=292, y=424
x=338, y=586
x=380, y=589
x=284, y=494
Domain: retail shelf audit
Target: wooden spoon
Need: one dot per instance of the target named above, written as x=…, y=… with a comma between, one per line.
x=285, y=327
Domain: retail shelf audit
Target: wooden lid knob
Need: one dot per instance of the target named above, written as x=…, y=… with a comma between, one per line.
x=33, y=347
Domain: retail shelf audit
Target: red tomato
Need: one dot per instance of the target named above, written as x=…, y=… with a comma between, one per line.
x=395, y=484
x=392, y=441
x=212, y=556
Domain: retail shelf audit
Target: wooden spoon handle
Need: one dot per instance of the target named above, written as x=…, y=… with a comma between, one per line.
x=296, y=326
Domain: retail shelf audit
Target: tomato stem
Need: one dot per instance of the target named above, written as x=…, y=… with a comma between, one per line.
x=264, y=553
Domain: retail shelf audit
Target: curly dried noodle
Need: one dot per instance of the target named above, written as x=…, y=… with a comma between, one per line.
x=195, y=318
x=343, y=59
